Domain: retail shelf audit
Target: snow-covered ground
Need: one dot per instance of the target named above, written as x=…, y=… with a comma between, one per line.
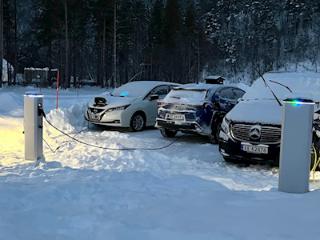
x=186, y=191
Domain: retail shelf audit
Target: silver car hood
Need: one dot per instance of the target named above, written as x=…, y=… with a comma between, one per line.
x=113, y=101
x=256, y=111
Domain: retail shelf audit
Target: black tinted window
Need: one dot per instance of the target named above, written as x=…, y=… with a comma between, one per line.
x=171, y=87
x=238, y=93
x=161, y=91
x=227, y=93
x=210, y=94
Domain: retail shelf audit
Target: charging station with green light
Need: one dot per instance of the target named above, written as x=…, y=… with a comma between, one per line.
x=296, y=142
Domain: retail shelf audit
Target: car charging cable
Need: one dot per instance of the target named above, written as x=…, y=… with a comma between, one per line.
x=316, y=162
x=57, y=148
x=102, y=147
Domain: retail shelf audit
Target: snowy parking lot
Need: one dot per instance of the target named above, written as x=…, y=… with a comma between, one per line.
x=185, y=191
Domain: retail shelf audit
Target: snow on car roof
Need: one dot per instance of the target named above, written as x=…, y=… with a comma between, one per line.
x=138, y=88
x=201, y=86
x=149, y=84
x=197, y=86
x=213, y=77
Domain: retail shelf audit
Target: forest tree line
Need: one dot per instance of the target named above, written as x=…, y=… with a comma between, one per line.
x=115, y=41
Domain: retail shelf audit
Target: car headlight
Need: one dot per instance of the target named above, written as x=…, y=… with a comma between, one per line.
x=225, y=126
x=121, y=108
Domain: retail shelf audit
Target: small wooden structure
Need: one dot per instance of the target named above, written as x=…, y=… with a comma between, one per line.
x=214, y=79
x=41, y=77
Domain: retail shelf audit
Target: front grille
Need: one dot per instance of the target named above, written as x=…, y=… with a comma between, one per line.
x=96, y=110
x=190, y=116
x=268, y=134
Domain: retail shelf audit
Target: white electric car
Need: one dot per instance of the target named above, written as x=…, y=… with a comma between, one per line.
x=133, y=105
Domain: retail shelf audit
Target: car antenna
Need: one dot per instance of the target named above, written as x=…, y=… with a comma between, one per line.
x=289, y=89
x=267, y=85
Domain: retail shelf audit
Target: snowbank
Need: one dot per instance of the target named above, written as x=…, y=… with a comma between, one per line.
x=11, y=104
x=69, y=119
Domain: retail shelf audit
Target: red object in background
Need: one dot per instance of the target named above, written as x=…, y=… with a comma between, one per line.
x=58, y=81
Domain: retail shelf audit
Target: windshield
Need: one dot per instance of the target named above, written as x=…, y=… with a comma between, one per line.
x=133, y=89
x=260, y=91
x=186, y=96
x=300, y=86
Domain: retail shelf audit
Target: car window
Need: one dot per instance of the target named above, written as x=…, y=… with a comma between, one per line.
x=186, y=96
x=210, y=94
x=238, y=93
x=161, y=91
x=227, y=93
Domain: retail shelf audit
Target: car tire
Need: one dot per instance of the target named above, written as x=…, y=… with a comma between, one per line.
x=137, y=122
x=229, y=160
x=168, y=133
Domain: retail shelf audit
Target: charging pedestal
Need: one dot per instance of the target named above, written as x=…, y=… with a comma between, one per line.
x=33, y=126
x=296, y=142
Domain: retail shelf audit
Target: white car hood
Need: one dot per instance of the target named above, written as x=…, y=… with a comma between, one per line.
x=113, y=102
x=256, y=111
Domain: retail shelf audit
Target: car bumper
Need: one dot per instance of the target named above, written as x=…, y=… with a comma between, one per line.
x=112, y=119
x=231, y=149
x=185, y=126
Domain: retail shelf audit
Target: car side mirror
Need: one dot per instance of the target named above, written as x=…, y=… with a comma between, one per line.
x=154, y=97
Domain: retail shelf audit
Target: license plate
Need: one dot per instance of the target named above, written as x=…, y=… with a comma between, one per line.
x=258, y=149
x=176, y=117
x=94, y=117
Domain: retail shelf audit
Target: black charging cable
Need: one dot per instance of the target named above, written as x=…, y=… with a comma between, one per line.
x=64, y=142
x=101, y=147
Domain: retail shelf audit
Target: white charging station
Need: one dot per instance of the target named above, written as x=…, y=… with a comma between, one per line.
x=33, y=126
x=296, y=142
